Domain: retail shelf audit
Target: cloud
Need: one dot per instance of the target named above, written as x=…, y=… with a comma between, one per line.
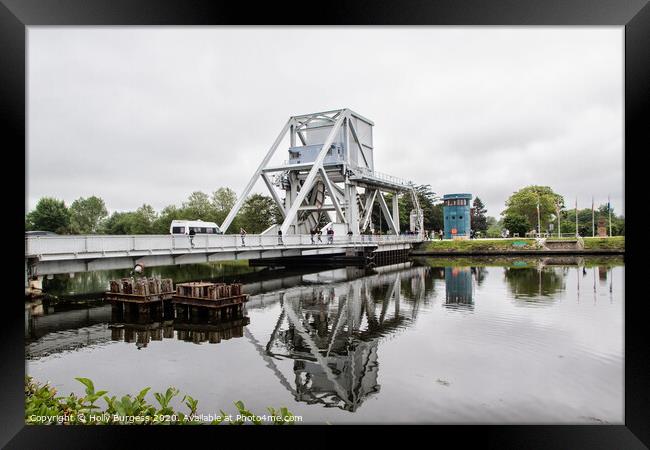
x=148, y=115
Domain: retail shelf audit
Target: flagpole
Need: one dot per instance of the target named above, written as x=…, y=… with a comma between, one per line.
x=593, y=218
x=559, y=223
x=539, y=226
x=576, y=216
x=609, y=210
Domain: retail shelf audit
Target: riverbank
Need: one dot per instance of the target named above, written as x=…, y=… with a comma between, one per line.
x=516, y=246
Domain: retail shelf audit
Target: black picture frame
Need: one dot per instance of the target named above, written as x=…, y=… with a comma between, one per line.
x=634, y=15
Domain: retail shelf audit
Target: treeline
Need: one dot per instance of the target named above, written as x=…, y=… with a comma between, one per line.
x=90, y=216
x=521, y=215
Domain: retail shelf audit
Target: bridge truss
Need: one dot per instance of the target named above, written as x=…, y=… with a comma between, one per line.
x=329, y=177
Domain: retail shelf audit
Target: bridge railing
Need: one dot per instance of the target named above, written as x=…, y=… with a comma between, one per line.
x=110, y=244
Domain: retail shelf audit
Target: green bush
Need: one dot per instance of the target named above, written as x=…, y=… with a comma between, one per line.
x=42, y=406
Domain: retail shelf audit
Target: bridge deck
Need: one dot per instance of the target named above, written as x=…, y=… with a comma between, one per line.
x=62, y=248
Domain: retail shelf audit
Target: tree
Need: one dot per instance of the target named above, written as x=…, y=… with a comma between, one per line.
x=223, y=200
x=199, y=206
x=494, y=227
x=164, y=220
x=585, y=223
x=478, y=219
x=86, y=215
x=140, y=221
x=428, y=200
x=258, y=213
x=143, y=219
x=49, y=215
x=524, y=203
x=516, y=223
x=117, y=223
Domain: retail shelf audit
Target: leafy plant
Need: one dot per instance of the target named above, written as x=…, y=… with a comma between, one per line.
x=42, y=406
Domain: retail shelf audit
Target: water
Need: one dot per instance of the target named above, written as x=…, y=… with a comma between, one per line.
x=429, y=341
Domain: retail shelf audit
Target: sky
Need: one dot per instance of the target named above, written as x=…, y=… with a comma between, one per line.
x=150, y=114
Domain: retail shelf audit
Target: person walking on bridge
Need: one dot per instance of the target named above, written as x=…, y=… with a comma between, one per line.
x=242, y=233
x=320, y=235
x=192, y=233
x=330, y=236
x=280, y=237
x=312, y=232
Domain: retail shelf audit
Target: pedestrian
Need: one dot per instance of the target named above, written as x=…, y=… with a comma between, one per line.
x=330, y=235
x=312, y=232
x=280, y=237
x=350, y=235
x=242, y=233
x=320, y=234
x=192, y=233
x=440, y=234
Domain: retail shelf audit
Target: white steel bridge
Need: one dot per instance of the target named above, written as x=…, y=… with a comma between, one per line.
x=47, y=255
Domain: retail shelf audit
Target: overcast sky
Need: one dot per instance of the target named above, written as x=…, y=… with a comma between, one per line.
x=149, y=115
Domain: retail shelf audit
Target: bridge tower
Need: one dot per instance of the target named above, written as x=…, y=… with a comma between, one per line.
x=329, y=177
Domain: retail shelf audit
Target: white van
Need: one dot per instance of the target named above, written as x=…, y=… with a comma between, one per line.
x=199, y=227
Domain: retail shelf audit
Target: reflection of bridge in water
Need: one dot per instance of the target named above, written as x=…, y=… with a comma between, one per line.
x=54, y=329
x=332, y=332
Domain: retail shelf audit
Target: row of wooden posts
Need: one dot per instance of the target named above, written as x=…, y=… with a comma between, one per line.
x=142, y=286
x=151, y=286
x=212, y=291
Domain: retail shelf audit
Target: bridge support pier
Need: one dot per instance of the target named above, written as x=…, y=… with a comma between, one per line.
x=33, y=283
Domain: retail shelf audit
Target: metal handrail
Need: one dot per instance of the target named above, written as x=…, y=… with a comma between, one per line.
x=382, y=176
x=111, y=244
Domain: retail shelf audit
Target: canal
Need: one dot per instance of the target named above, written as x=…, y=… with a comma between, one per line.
x=471, y=340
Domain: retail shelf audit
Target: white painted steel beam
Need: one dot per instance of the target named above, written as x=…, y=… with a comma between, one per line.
x=333, y=194
x=387, y=214
x=370, y=201
x=358, y=141
x=240, y=201
x=309, y=181
x=274, y=194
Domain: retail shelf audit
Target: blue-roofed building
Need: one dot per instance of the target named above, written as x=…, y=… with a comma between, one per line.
x=456, y=212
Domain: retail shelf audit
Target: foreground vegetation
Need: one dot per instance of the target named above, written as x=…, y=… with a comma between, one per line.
x=42, y=406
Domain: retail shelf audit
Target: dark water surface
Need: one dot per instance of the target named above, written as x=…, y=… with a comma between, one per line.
x=428, y=341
